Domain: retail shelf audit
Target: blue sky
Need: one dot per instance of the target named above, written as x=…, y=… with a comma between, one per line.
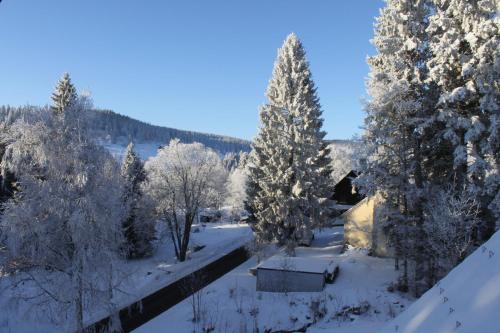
x=198, y=65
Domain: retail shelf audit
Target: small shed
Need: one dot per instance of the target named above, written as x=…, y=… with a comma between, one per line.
x=293, y=274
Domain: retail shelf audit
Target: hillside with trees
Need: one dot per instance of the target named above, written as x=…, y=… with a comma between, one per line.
x=112, y=128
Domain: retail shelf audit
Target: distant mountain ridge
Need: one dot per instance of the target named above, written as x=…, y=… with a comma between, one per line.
x=113, y=129
x=118, y=128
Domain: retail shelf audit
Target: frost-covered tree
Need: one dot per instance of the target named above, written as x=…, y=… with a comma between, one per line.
x=138, y=227
x=346, y=156
x=63, y=228
x=398, y=134
x=179, y=178
x=236, y=189
x=7, y=178
x=433, y=120
x=230, y=161
x=465, y=60
x=64, y=95
x=289, y=164
x=217, y=193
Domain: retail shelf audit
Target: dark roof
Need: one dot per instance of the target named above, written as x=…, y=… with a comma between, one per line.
x=345, y=192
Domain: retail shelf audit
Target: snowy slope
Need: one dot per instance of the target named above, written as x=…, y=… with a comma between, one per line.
x=466, y=300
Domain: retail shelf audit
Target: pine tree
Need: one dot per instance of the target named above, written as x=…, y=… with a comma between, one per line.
x=286, y=189
x=138, y=231
x=465, y=47
x=64, y=95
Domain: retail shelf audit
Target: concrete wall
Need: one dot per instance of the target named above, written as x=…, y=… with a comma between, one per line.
x=275, y=280
x=362, y=226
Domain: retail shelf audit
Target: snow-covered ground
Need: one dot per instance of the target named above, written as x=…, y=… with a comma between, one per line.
x=231, y=304
x=466, y=300
x=140, y=277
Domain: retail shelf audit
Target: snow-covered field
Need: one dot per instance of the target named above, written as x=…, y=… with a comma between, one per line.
x=466, y=300
x=139, y=277
x=231, y=304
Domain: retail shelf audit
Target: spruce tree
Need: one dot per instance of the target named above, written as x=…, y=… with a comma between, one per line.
x=465, y=43
x=399, y=126
x=289, y=161
x=138, y=232
x=64, y=95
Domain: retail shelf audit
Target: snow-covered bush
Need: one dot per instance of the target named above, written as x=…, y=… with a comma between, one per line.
x=451, y=221
x=179, y=179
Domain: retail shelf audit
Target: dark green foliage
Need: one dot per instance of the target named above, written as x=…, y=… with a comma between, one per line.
x=138, y=227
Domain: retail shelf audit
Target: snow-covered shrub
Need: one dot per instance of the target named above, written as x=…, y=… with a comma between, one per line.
x=450, y=225
x=318, y=308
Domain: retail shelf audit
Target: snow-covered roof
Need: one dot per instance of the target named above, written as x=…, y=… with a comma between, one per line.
x=296, y=264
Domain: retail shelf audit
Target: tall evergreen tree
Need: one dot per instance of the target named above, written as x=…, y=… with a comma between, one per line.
x=397, y=125
x=64, y=95
x=465, y=66
x=287, y=189
x=138, y=232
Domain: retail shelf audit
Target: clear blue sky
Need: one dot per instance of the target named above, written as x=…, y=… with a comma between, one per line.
x=198, y=65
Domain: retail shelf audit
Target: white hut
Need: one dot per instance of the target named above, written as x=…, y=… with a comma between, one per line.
x=293, y=274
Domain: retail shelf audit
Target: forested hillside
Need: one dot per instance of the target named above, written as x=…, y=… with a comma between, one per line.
x=113, y=128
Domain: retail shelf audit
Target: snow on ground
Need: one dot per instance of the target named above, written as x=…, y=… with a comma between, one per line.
x=231, y=303
x=144, y=276
x=466, y=300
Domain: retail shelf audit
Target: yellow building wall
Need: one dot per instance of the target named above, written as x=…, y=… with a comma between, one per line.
x=361, y=228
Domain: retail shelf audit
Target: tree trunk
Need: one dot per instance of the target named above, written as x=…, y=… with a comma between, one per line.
x=419, y=219
x=188, y=221
x=79, y=299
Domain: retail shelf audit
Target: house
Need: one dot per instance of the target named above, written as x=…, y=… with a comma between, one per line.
x=363, y=227
x=293, y=274
x=345, y=193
